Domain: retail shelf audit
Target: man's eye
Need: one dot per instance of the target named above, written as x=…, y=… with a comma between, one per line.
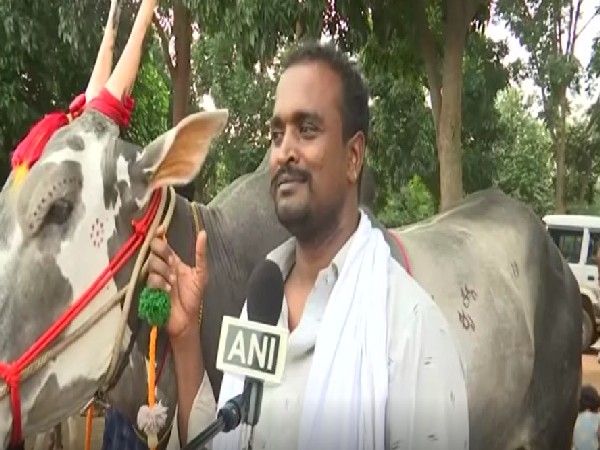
x=276, y=136
x=308, y=128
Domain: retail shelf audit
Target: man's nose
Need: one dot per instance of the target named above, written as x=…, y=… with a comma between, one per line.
x=288, y=149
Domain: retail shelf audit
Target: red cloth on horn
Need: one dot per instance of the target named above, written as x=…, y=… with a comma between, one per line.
x=29, y=150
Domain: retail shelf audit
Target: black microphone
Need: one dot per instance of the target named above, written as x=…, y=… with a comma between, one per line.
x=265, y=298
x=255, y=348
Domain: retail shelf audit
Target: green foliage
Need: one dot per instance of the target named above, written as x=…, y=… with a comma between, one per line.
x=151, y=115
x=403, y=136
x=402, y=142
x=552, y=64
x=256, y=29
x=38, y=70
x=522, y=154
x=414, y=202
x=594, y=64
x=549, y=31
x=49, y=49
x=583, y=163
x=484, y=76
x=248, y=94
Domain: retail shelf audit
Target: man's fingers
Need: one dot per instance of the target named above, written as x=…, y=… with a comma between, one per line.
x=160, y=274
x=160, y=231
x=201, y=250
x=160, y=248
x=158, y=282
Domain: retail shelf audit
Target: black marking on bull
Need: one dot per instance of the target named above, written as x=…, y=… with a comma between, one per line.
x=515, y=269
x=468, y=295
x=75, y=142
x=466, y=320
x=99, y=123
x=109, y=175
x=51, y=182
x=51, y=292
x=113, y=189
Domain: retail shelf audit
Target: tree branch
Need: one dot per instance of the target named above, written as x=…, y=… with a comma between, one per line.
x=430, y=59
x=164, y=43
x=559, y=27
x=470, y=10
x=573, y=28
x=588, y=22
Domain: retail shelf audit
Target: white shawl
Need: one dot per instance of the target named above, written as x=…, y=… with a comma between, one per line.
x=346, y=394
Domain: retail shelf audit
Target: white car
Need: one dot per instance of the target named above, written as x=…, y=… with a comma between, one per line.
x=578, y=237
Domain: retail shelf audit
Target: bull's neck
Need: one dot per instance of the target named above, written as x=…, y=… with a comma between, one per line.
x=222, y=257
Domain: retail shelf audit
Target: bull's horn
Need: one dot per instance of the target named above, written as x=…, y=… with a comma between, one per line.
x=104, y=60
x=123, y=77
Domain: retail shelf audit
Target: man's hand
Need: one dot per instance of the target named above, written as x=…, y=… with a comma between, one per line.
x=184, y=284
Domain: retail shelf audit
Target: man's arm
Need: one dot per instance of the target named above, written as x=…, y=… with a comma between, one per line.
x=195, y=402
x=427, y=397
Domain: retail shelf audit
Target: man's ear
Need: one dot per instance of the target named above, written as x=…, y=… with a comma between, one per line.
x=176, y=157
x=356, y=156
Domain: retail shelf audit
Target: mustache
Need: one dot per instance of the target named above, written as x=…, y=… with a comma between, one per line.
x=291, y=173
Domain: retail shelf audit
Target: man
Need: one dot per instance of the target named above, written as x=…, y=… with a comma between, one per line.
x=587, y=427
x=371, y=362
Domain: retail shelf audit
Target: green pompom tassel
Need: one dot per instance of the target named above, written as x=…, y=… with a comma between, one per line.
x=154, y=306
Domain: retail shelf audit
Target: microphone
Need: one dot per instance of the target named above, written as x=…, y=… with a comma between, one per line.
x=258, y=349
x=254, y=348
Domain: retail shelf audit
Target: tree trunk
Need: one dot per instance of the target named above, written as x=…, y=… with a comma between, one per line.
x=182, y=30
x=560, y=203
x=445, y=92
x=450, y=120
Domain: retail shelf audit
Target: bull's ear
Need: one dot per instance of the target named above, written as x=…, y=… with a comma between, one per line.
x=176, y=157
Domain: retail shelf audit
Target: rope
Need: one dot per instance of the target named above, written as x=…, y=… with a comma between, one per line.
x=197, y=228
x=138, y=272
x=88, y=427
x=152, y=364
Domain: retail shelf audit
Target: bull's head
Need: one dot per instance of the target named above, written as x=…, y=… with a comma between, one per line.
x=63, y=220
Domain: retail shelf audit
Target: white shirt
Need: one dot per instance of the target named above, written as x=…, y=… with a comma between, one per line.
x=427, y=404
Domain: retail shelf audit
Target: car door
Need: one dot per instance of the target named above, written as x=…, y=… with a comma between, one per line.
x=570, y=242
x=590, y=269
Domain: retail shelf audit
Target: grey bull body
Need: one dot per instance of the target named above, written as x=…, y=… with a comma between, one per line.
x=509, y=296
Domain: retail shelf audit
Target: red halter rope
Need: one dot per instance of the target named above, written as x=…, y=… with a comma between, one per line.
x=27, y=153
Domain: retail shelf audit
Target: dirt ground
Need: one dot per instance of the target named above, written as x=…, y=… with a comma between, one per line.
x=591, y=374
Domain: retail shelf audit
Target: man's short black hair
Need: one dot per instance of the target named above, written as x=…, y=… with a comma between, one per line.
x=355, y=94
x=589, y=399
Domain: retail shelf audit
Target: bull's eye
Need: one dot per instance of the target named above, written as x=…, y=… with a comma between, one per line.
x=59, y=212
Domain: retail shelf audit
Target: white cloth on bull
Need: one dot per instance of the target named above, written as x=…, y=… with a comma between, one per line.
x=345, y=403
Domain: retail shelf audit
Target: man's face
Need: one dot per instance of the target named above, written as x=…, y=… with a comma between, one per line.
x=312, y=171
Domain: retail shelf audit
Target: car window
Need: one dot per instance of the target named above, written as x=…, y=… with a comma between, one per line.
x=568, y=242
x=593, y=247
